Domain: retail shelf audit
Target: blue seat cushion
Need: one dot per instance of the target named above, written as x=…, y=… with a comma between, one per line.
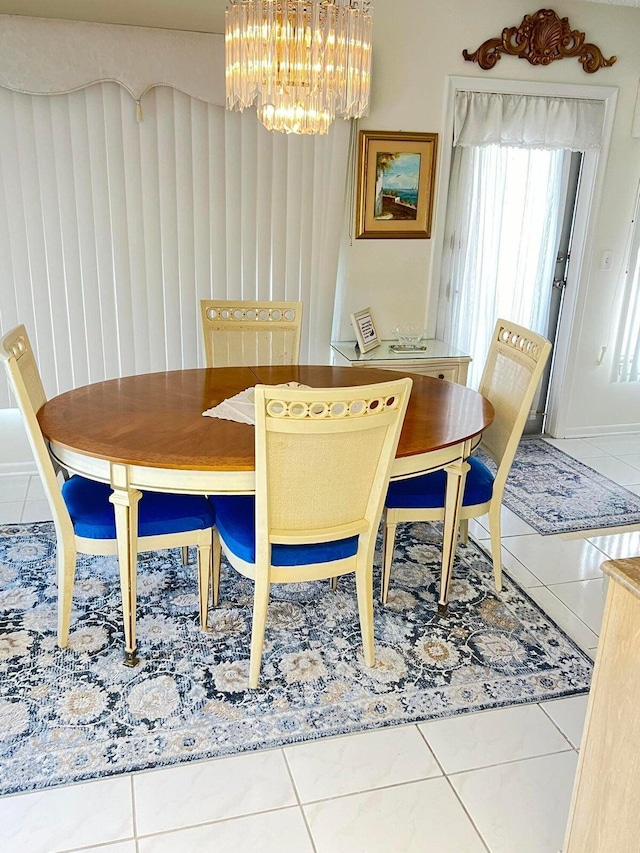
x=427, y=491
x=159, y=513
x=235, y=520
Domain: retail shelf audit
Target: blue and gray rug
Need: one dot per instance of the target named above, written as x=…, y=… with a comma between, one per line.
x=555, y=493
x=78, y=714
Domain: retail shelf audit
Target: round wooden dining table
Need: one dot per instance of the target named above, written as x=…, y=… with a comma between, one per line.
x=147, y=432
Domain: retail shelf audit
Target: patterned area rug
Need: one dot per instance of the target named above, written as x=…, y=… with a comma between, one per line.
x=555, y=493
x=79, y=714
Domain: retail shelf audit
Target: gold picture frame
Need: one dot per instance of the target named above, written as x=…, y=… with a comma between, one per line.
x=365, y=330
x=403, y=164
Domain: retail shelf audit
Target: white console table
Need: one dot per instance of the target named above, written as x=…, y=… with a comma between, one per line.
x=438, y=359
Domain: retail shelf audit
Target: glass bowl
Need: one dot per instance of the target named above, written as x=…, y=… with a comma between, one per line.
x=409, y=336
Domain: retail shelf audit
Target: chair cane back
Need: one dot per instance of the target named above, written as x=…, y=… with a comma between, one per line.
x=323, y=461
x=245, y=334
x=513, y=369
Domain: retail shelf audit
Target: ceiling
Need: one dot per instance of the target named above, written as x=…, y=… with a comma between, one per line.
x=195, y=15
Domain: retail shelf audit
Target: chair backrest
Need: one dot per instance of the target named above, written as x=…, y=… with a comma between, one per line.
x=512, y=371
x=26, y=384
x=323, y=460
x=245, y=334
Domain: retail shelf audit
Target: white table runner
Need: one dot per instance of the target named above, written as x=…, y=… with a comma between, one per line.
x=241, y=407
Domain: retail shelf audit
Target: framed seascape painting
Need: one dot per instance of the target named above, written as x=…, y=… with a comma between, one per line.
x=396, y=180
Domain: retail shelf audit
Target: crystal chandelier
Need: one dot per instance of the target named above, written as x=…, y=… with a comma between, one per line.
x=302, y=62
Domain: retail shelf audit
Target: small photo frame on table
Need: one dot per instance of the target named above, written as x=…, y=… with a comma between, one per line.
x=364, y=327
x=396, y=184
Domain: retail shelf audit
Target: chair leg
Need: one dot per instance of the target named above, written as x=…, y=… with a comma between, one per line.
x=66, y=568
x=260, y=606
x=204, y=582
x=463, y=527
x=185, y=555
x=496, y=543
x=334, y=583
x=364, y=587
x=387, y=558
x=215, y=569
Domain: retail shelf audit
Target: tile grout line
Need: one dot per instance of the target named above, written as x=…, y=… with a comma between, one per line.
x=578, y=617
x=451, y=787
x=565, y=736
x=134, y=821
x=24, y=505
x=443, y=775
x=101, y=845
x=297, y=795
x=465, y=810
x=203, y=823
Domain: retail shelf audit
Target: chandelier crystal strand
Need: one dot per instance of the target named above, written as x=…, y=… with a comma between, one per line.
x=302, y=62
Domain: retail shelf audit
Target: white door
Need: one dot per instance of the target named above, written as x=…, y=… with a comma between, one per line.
x=538, y=415
x=530, y=212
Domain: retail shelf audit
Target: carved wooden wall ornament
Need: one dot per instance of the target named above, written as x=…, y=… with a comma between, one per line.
x=541, y=38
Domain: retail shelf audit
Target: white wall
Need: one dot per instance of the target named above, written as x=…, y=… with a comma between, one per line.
x=417, y=43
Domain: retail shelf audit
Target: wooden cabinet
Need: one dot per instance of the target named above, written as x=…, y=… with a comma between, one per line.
x=604, y=816
x=438, y=359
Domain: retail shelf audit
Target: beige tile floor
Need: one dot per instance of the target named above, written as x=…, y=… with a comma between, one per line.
x=497, y=781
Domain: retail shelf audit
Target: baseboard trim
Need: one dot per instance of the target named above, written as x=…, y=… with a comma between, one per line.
x=595, y=431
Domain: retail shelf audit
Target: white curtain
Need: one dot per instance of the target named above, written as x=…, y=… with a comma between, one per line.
x=112, y=230
x=503, y=212
x=626, y=361
x=527, y=121
x=500, y=244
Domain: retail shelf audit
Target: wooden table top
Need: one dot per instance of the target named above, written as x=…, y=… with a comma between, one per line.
x=155, y=419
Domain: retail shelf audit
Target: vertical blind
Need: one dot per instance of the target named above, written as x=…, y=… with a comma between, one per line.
x=112, y=230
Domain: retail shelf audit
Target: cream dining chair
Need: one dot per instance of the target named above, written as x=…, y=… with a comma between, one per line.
x=83, y=516
x=512, y=372
x=237, y=333
x=323, y=460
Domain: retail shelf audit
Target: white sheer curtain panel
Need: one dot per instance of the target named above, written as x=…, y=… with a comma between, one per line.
x=113, y=229
x=506, y=194
x=500, y=244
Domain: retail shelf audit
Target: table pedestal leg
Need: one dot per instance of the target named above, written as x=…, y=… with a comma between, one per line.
x=456, y=476
x=125, y=502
